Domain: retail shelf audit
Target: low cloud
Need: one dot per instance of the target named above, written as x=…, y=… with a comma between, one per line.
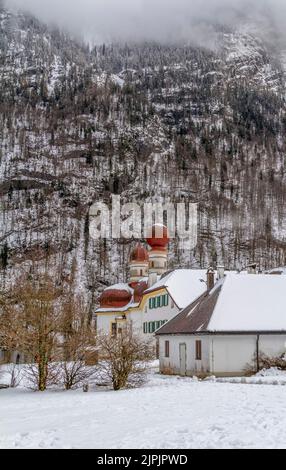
x=153, y=20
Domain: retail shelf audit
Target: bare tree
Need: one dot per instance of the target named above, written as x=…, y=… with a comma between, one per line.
x=49, y=325
x=3, y=330
x=32, y=375
x=125, y=358
x=79, y=342
x=8, y=329
x=35, y=320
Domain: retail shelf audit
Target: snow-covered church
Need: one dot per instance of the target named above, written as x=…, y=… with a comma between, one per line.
x=153, y=295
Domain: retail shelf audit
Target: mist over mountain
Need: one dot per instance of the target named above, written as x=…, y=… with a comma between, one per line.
x=149, y=121
x=172, y=21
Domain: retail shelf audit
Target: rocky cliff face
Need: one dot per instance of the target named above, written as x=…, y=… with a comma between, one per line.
x=147, y=122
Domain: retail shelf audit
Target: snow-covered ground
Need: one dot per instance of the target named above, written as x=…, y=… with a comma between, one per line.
x=169, y=412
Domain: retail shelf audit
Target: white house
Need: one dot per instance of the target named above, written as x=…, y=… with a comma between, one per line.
x=227, y=329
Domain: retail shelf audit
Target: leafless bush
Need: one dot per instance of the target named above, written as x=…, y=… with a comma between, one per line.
x=126, y=358
x=266, y=362
x=75, y=374
x=14, y=371
x=167, y=371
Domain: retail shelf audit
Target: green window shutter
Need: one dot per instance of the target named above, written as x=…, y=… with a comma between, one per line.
x=159, y=301
x=150, y=303
x=154, y=302
x=150, y=327
x=167, y=299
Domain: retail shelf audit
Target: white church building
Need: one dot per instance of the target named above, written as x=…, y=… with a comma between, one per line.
x=153, y=295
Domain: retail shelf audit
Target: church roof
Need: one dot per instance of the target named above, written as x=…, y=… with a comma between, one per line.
x=121, y=297
x=158, y=237
x=116, y=296
x=139, y=253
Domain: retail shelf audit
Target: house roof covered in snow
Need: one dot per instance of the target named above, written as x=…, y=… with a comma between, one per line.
x=121, y=286
x=183, y=285
x=238, y=304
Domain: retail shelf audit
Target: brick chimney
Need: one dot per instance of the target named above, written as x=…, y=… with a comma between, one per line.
x=210, y=278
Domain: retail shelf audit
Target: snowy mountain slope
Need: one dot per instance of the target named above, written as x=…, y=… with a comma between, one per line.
x=144, y=121
x=31, y=54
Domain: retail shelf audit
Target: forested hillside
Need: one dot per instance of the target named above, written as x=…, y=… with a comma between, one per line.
x=144, y=121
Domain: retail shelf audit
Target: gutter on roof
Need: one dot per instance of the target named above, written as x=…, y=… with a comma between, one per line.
x=224, y=333
x=150, y=291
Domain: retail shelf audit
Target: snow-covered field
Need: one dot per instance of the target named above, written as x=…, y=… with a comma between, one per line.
x=169, y=412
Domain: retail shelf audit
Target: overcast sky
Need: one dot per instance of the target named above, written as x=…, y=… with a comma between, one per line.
x=159, y=20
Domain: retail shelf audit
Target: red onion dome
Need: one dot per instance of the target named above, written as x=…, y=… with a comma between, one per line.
x=158, y=238
x=116, y=296
x=139, y=290
x=139, y=253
